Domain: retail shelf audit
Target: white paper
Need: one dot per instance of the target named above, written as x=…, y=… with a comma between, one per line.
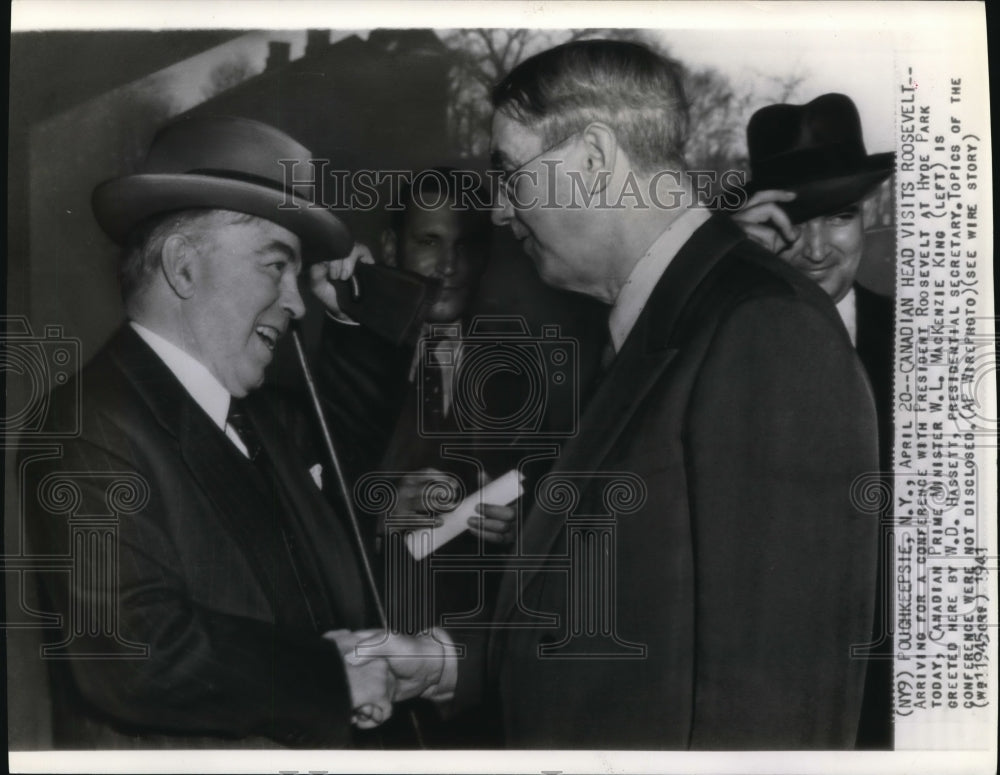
x=503, y=490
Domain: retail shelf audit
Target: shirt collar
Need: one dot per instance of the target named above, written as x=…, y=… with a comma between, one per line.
x=636, y=291
x=197, y=380
x=847, y=308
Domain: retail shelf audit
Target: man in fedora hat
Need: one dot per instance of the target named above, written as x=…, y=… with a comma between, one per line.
x=810, y=181
x=810, y=187
x=218, y=612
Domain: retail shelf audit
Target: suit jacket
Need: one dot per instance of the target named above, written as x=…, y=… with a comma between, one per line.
x=874, y=319
x=380, y=417
x=226, y=577
x=738, y=572
x=363, y=383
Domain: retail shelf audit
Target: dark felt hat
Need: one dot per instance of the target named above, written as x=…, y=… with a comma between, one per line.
x=224, y=163
x=815, y=150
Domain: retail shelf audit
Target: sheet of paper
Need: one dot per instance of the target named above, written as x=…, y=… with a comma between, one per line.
x=502, y=490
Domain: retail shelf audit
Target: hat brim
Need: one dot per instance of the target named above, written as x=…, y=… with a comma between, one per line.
x=827, y=195
x=122, y=203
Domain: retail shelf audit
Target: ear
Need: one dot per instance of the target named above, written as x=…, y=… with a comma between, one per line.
x=599, y=154
x=390, y=248
x=179, y=264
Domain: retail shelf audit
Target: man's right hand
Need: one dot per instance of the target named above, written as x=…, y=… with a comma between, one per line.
x=417, y=663
x=371, y=681
x=437, y=492
x=427, y=489
x=323, y=275
x=765, y=221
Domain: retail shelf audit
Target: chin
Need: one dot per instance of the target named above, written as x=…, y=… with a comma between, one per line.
x=448, y=315
x=553, y=279
x=448, y=310
x=250, y=384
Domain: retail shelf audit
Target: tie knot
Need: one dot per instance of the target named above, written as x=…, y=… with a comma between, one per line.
x=237, y=419
x=236, y=416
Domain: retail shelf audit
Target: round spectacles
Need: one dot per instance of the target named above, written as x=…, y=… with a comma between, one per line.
x=508, y=180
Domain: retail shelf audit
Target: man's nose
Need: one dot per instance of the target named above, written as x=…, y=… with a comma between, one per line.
x=449, y=259
x=502, y=214
x=291, y=299
x=814, y=240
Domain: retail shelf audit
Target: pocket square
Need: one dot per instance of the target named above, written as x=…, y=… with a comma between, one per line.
x=316, y=472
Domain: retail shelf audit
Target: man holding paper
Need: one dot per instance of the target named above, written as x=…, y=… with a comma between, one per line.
x=736, y=572
x=381, y=398
x=376, y=394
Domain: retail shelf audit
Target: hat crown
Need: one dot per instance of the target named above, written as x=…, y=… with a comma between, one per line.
x=828, y=122
x=815, y=150
x=225, y=163
x=223, y=145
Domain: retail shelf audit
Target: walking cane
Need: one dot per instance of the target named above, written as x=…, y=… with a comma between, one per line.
x=345, y=494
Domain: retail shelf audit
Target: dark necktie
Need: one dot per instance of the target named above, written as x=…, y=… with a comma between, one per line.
x=238, y=420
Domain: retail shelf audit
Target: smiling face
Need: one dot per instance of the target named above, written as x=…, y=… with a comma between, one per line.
x=446, y=244
x=828, y=250
x=244, y=294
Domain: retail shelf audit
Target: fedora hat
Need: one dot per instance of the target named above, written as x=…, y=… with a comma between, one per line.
x=815, y=150
x=224, y=163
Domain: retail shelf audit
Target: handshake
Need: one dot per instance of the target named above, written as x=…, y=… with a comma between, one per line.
x=384, y=668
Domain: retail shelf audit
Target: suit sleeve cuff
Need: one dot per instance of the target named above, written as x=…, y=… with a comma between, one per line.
x=444, y=690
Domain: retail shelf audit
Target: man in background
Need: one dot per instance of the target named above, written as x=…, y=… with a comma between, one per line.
x=371, y=387
x=811, y=185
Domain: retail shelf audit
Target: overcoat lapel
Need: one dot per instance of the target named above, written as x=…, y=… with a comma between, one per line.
x=210, y=457
x=331, y=548
x=652, y=345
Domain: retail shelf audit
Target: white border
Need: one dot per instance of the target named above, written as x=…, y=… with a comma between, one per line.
x=916, y=26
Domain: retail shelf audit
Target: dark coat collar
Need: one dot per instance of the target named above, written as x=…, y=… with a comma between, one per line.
x=648, y=350
x=229, y=480
x=657, y=335
x=657, y=325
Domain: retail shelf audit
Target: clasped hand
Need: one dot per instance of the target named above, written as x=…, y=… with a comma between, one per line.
x=384, y=668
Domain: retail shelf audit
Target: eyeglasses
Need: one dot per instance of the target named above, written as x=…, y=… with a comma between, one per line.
x=508, y=180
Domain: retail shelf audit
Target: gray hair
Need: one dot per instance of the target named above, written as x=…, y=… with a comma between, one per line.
x=142, y=252
x=636, y=92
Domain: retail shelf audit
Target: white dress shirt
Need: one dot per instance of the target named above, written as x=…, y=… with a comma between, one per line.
x=197, y=380
x=847, y=308
x=646, y=273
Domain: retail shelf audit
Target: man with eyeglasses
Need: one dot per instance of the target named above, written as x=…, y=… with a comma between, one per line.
x=733, y=572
